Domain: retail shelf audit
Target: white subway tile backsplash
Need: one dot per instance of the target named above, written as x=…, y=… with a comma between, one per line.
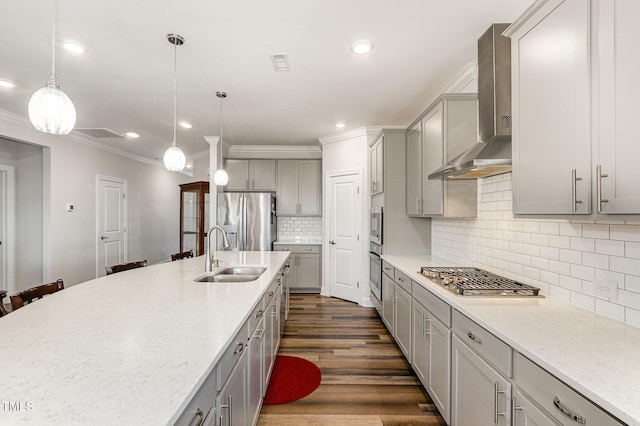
x=563, y=257
x=299, y=228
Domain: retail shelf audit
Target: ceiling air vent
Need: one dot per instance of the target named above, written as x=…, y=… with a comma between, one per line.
x=280, y=62
x=100, y=133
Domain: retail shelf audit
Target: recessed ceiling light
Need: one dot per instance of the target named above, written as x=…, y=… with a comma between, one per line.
x=362, y=47
x=340, y=124
x=73, y=47
x=185, y=125
x=7, y=84
x=132, y=135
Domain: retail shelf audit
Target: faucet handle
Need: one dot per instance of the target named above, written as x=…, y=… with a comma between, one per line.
x=215, y=262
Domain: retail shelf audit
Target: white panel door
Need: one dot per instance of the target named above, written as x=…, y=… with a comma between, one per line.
x=111, y=223
x=344, y=236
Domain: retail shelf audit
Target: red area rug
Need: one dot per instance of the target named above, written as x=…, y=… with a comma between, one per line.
x=292, y=378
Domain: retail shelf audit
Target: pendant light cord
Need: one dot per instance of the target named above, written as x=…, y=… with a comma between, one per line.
x=220, y=141
x=53, y=41
x=175, y=89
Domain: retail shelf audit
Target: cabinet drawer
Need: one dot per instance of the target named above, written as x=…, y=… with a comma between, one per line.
x=388, y=269
x=271, y=291
x=555, y=397
x=438, y=308
x=200, y=409
x=237, y=346
x=486, y=344
x=298, y=248
x=256, y=316
x=403, y=281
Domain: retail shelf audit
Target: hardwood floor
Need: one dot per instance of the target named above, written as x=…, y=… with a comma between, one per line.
x=365, y=378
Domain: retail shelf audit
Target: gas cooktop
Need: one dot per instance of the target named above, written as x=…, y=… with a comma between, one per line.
x=467, y=281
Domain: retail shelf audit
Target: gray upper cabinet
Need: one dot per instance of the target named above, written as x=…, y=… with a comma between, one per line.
x=444, y=131
x=251, y=175
x=568, y=56
x=550, y=84
x=299, y=190
x=376, y=159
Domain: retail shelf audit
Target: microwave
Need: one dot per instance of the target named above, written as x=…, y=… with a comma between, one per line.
x=376, y=225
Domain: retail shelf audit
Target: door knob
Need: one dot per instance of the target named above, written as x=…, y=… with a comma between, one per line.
x=103, y=237
x=332, y=242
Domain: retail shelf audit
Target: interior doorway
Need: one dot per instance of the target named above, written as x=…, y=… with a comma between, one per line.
x=344, y=235
x=111, y=223
x=7, y=227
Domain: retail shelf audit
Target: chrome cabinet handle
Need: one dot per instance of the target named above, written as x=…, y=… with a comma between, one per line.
x=198, y=414
x=239, y=348
x=514, y=408
x=576, y=418
x=599, y=177
x=259, y=313
x=417, y=205
x=496, y=391
x=474, y=337
x=308, y=249
x=227, y=405
x=253, y=184
x=574, y=189
x=373, y=185
x=426, y=326
x=247, y=185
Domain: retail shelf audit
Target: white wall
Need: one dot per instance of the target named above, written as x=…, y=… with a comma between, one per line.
x=348, y=151
x=562, y=257
x=70, y=169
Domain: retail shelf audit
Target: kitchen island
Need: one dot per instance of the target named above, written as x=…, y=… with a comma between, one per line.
x=594, y=355
x=128, y=348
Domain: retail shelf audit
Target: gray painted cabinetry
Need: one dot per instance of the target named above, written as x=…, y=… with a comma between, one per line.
x=299, y=190
x=575, y=144
x=251, y=175
x=305, y=274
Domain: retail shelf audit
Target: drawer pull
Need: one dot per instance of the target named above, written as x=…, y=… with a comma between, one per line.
x=259, y=313
x=199, y=416
x=576, y=418
x=426, y=326
x=474, y=337
x=239, y=348
x=228, y=406
x=514, y=408
x=495, y=408
x=270, y=293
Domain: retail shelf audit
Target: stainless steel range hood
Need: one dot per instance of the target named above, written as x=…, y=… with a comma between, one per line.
x=492, y=155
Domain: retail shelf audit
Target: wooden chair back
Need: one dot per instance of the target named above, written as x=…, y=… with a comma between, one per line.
x=27, y=296
x=3, y=310
x=183, y=255
x=125, y=266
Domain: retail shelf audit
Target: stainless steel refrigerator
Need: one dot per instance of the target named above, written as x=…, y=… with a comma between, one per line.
x=249, y=218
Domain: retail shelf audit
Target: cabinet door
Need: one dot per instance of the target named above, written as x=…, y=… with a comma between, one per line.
x=388, y=293
x=379, y=151
x=420, y=339
x=308, y=270
x=309, y=188
x=287, y=193
x=527, y=414
x=414, y=170
x=402, y=312
x=551, y=93
x=619, y=67
x=238, y=171
x=439, y=359
x=232, y=399
x=263, y=175
x=432, y=159
x=480, y=395
x=269, y=343
x=256, y=356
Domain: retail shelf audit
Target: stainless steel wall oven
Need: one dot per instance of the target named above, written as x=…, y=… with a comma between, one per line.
x=375, y=273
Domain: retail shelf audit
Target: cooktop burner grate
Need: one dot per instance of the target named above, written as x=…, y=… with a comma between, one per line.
x=468, y=281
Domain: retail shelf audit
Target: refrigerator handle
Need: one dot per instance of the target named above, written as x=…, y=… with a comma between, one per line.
x=243, y=225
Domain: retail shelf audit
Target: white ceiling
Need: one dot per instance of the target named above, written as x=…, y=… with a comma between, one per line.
x=124, y=81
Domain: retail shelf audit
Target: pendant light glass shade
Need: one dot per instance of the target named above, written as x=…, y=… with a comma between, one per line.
x=220, y=177
x=174, y=158
x=50, y=109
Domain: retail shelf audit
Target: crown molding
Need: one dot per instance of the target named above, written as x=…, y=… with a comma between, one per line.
x=274, y=151
x=465, y=76
x=44, y=139
x=511, y=29
x=368, y=132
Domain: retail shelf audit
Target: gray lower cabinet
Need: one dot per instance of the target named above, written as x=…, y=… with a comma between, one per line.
x=480, y=395
x=526, y=412
x=201, y=410
x=402, y=317
x=305, y=273
x=256, y=350
x=232, y=401
x=388, y=292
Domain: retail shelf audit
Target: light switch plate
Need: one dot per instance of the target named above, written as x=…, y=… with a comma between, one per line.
x=605, y=288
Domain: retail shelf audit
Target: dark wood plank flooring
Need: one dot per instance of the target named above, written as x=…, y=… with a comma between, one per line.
x=365, y=378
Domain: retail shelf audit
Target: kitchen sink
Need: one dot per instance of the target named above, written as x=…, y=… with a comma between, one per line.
x=232, y=274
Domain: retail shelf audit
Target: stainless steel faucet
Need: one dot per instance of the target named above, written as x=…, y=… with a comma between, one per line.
x=225, y=243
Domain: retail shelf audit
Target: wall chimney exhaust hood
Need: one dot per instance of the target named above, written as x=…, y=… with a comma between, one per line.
x=492, y=155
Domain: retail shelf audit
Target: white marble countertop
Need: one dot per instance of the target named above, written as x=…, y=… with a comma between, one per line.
x=595, y=355
x=129, y=348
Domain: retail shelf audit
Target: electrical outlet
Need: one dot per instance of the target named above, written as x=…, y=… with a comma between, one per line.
x=605, y=288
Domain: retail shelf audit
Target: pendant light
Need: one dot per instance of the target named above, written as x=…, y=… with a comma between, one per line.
x=174, y=158
x=50, y=109
x=220, y=177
